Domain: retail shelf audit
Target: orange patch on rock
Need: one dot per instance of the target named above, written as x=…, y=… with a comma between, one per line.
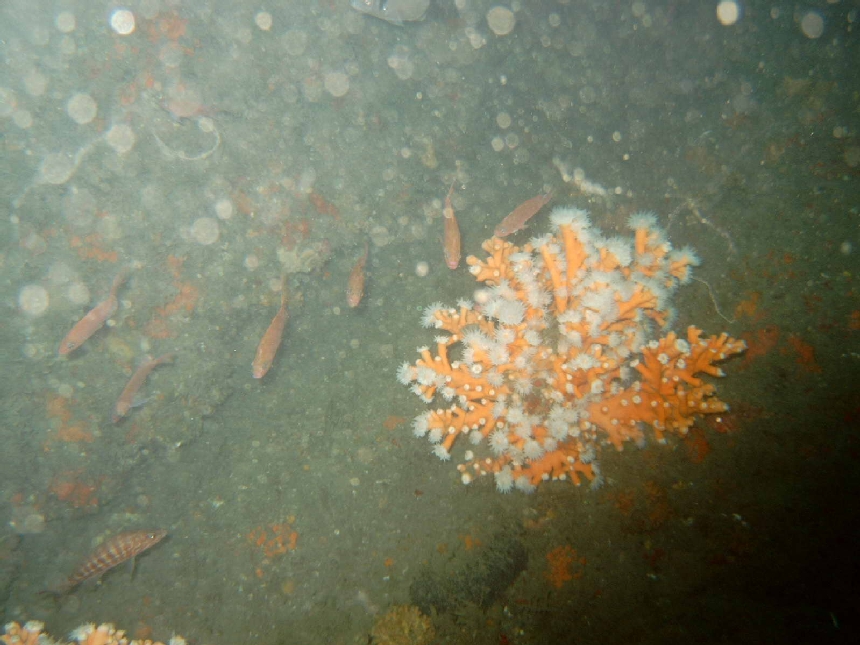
x=168, y=26
x=175, y=263
x=470, y=542
x=90, y=248
x=273, y=540
x=323, y=206
x=759, y=343
x=70, y=488
x=74, y=434
x=625, y=502
x=805, y=354
x=741, y=414
x=658, y=507
x=697, y=445
x=58, y=408
x=392, y=422
x=244, y=204
x=749, y=307
x=563, y=565
x=162, y=324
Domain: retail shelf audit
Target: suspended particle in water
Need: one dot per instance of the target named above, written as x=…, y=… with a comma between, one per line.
x=77, y=293
x=81, y=108
x=205, y=230
x=728, y=12
x=263, y=20
x=122, y=22
x=35, y=83
x=812, y=24
x=65, y=22
x=224, y=208
x=33, y=300
x=336, y=84
x=501, y=20
x=121, y=138
x=56, y=169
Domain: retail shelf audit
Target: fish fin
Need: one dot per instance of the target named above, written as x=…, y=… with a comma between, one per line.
x=55, y=594
x=284, y=289
x=132, y=567
x=393, y=18
x=140, y=401
x=383, y=13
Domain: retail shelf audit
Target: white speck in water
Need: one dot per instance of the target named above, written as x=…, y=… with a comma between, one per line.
x=501, y=20
x=65, y=22
x=336, y=84
x=81, y=108
x=35, y=83
x=56, y=168
x=121, y=138
x=8, y=102
x=33, y=299
x=122, y=22
x=728, y=12
x=224, y=208
x=78, y=293
x=205, y=230
x=23, y=119
x=295, y=42
x=263, y=20
x=812, y=24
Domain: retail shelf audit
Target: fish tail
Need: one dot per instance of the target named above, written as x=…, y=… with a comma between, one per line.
x=166, y=358
x=58, y=592
x=119, y=280
x=451, y=189
x=284, y=290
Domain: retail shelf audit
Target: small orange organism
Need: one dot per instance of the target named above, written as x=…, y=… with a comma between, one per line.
x=273, y=540
x=564, y=565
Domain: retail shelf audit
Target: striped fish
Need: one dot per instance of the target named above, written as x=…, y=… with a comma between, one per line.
x=114, y=551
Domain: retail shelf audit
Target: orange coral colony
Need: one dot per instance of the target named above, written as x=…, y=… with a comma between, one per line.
x=562, y=355
x=31, y=633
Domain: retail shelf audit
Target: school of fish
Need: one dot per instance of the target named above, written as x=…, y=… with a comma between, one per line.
x=125, y=546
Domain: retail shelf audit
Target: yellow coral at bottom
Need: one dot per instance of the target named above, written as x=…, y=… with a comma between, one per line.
x=31, y=633
x=403, y=625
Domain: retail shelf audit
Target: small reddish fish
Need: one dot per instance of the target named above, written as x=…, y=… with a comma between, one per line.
x=95, y=319
x=451, y=242
x=522, y=214
x=271, y=340
x=355, y=286
x=126, y=400
x=114, y=551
